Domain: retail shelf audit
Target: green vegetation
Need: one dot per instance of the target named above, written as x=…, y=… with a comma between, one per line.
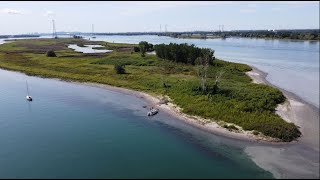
x=119, y=68
x=280, y=34
x=237, y=100
x=51, y=54
x=148, y=46
x=183, y=53
x=144, y=47
x=77, y=37
x=230, y=127
x=136, y=49
x=255, y=132
x=18, y=36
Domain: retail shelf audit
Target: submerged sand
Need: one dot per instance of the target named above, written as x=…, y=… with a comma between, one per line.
x=297, y=161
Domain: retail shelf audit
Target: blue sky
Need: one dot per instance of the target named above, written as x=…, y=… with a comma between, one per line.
x=140, y=16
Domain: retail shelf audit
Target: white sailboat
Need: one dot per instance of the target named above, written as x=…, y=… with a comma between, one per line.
x=93, y=37
x=29, y=98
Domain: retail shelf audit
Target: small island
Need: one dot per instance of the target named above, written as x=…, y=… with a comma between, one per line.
x=183, y=77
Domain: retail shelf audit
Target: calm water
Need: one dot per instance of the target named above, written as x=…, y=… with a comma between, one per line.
x=88, y=48
x=75, y=131
x=291, y=65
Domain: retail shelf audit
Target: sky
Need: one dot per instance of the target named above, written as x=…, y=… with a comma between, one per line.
x=20, y=17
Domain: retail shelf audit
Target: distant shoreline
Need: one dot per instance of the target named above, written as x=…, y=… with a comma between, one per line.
x=245, y=38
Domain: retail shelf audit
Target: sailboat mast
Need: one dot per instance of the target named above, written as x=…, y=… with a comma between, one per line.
x=27, y=88
x=92, y=30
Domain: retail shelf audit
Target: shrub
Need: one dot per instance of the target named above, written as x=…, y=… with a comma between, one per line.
x=142, y=50
x=255, y=132
x=119, y=68
x=136, y=49
x=232, y=127
x=148, y=46
x=51, y=54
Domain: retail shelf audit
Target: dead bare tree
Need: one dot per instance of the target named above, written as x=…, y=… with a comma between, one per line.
x=217, y=80
x=202, y=70
x=218, y=76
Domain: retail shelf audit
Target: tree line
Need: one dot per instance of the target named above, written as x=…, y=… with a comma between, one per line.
x=202, y=58
x=309, y=34
x=299, y=35
x=183, y=53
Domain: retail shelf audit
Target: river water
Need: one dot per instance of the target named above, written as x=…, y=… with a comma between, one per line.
x=76, y=131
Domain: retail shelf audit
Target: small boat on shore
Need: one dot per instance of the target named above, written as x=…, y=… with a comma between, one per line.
x=153, y=112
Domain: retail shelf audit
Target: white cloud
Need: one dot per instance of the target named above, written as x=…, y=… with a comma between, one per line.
x=10, y=11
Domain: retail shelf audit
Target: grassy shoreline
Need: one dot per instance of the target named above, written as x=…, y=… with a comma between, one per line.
x=239, y=102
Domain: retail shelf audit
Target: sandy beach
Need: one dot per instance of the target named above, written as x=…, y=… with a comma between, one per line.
x=295, y=110
x=297, y=161
x=291, y=112
x=204, y=124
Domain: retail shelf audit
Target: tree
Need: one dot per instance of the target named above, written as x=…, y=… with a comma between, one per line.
x=148, y=47
x=217, y=80
x=203, y=62
x=119, y=68
x=183, y=53
x=136, y=49
x=202, y=69
x=142, y=50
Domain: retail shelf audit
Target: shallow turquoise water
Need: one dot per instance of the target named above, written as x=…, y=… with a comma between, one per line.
x=75, y=131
